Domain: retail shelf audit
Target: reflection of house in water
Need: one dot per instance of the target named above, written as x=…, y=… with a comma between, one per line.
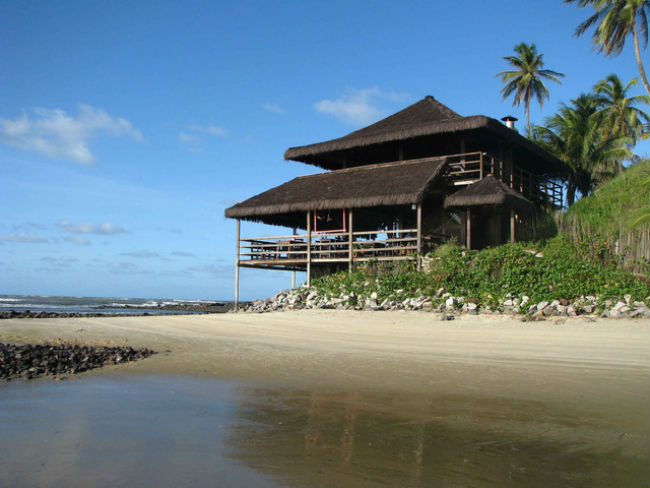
x=398, y=187
x=352, y=439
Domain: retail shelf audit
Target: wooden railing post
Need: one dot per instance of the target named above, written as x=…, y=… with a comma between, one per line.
x=350, y=240
x=419, y=236
x=308, y=248
x=293, y=271
x=236, y=305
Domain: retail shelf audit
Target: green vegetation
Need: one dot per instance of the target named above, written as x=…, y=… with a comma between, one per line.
x=617, y=216
x=614, y=21
x=594, y=134
x=615, y=207
x=526, y=81
x=557, y=269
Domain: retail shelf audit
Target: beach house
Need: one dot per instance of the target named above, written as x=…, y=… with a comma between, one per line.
x=397, y=188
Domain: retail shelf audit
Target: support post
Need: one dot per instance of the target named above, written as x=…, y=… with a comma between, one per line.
x=237, y=267
x=419, y=235
x=308, y=248
x=512, y=226
x=293, y=271
x=350, y=240
x=469, y=228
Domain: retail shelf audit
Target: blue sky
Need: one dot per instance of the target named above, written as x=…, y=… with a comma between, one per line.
x=126, y=128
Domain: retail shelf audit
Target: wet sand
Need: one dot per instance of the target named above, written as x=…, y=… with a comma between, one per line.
x=470, y=402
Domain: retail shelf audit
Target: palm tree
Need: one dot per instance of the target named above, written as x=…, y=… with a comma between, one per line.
x=615, y=20
x=574, y=135
x=526, y=80
x=620, y=113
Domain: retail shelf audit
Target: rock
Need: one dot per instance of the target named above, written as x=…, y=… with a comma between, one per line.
x=541, y=306
x=30, y=361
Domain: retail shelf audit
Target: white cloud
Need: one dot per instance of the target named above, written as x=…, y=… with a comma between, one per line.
x=60, y=261
x=141, y=254
x=272, y=107
x=359, y=107
x=23, y=238
x=87, y=228
x=193, y=135
x=126, y=268
x=78, y=240
x=58, y=135
x=213, y=130
x=183, y=254
x=188, y=138
x=212, y=269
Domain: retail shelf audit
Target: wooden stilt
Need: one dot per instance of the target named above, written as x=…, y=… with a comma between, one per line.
x=350, y=240
x=308, y=248
x=236, y=305
x=293, y=271
x=512, y=226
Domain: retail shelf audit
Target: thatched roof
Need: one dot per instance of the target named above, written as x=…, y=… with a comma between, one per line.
x=488, y=191
x=397, y=183
x=426, y=118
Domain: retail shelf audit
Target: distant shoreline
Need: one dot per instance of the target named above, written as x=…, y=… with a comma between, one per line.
x=181, y=309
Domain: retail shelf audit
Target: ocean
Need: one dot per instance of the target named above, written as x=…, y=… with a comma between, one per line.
x=108, y=305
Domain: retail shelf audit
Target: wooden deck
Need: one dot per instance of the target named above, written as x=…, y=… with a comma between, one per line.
x=295, y=252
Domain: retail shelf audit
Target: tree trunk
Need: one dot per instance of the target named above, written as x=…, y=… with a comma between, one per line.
x=637, y=51
x=570, y=194
x=528, y=117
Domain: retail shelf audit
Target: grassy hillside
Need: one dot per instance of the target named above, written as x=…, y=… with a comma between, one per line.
x=616, y=214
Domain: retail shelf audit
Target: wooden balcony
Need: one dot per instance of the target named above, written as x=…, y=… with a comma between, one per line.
x=467, y=168
x=297, y=252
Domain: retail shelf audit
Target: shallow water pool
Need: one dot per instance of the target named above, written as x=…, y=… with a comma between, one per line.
x=187, y=431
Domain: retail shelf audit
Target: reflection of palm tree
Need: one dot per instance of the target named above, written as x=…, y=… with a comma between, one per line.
x=615, y=20
x=574, y=136
x=526, y=80
x=622, y=117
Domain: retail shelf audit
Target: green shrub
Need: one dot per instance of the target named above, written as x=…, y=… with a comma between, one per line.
x=556, y=269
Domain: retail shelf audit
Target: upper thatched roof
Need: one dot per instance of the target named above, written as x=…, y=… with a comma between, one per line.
x=488, y=191
x=428, y=117
x=398, y=183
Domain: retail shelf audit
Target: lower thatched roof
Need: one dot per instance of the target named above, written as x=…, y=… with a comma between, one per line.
x=488, y=191
x=398, y=183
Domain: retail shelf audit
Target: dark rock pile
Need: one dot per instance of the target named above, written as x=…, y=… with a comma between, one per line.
x=31, y=360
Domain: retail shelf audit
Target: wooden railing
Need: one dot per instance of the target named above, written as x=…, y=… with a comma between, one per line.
x=328, y=247
x=467, y=168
